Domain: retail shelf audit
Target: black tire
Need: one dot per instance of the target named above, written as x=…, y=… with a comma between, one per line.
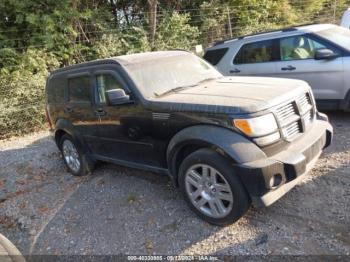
x=241, y=199
x=86, y=164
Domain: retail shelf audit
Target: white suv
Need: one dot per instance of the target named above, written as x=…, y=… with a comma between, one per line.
x=345, y=20
x=318, y=54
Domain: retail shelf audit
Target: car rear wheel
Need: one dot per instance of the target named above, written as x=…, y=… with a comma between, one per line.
x=77, y=163
x=212, y=189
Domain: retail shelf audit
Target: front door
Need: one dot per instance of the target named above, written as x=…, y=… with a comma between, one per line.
x=326, y=77
x=123, y=129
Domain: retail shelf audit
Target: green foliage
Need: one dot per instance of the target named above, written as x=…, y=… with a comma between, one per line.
x=174, y=32
x=39, y=36
x=22, y=93
x=114, y=43
x=246, y=16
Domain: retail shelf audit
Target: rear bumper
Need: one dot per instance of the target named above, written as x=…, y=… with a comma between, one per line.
x=291, y=165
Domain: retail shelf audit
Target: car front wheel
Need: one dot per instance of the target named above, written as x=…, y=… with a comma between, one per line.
x=212, y=189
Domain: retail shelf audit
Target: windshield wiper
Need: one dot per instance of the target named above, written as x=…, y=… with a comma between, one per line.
x=179, y=88
x=173, y=90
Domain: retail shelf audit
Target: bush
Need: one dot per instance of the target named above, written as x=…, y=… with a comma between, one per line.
x=22, y=93
x=175, y=32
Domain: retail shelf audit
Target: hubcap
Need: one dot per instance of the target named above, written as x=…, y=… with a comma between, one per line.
x=208, y=190
x=71, y=155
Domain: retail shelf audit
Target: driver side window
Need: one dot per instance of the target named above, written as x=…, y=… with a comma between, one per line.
x=104, y=83
x=299, y=48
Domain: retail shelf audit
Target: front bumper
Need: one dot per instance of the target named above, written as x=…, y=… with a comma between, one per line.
x=292, y=165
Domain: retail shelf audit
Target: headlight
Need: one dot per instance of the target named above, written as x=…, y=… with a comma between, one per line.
x=263, y=128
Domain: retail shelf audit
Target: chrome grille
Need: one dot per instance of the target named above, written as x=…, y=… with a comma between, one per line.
x=308, y=118
x=291, y=130
x=285, y=112
x=304, y=103
x=295, y=116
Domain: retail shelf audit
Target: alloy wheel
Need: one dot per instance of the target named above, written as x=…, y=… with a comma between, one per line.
x=208, y=191
x=71, y=156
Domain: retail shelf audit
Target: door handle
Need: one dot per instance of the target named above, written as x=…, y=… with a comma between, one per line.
x=68, y=110
x=288, y=68
x=235, y=71
x=100, y=112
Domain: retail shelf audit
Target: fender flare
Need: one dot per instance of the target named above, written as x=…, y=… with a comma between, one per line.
x=67, y=127
x=234, y=145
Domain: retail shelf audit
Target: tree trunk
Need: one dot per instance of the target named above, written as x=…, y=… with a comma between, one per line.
x=152, y=9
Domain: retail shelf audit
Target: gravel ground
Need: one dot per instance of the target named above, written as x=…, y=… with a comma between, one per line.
x=45, y=210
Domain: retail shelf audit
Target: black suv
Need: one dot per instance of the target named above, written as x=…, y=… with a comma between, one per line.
x=225, y=141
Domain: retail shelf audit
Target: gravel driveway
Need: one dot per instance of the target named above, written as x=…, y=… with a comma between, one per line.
x=45, y=210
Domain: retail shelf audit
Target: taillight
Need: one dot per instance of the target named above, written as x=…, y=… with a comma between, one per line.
x=48, y=118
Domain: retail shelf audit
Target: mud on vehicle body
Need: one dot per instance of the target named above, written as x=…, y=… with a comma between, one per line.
x=225, y=141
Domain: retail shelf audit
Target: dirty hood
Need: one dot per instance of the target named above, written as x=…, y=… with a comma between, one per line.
x=233, y=95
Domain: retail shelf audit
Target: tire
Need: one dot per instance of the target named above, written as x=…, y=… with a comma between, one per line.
x=203, y=195
x=79, y=163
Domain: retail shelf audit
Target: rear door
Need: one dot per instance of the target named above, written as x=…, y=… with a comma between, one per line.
x=326, y=77
x=254, y=59
x=79, y=109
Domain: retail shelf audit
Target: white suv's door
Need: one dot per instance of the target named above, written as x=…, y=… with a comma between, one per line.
x=297, y=60
x=254, y=58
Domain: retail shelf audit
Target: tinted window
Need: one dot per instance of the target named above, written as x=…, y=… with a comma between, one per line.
x=214, y=56
x=299, y=47
x=79, y=89
x=106, y=82
x=55, y=91
x=255, y=53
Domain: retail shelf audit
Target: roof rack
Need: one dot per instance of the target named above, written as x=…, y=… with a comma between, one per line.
x=287, y=29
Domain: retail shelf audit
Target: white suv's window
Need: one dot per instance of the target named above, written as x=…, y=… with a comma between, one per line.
x=257, y=52
x=299, y=47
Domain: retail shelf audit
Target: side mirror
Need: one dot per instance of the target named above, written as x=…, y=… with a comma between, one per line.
x=117, y=97
x=325, y=54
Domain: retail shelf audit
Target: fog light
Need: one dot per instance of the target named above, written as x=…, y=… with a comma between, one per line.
x=276, y=180
x=267, y=140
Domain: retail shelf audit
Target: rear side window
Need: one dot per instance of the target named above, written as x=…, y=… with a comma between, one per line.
x=79, y=89
x=214, y=56
x=258, y=52
x=55, y=90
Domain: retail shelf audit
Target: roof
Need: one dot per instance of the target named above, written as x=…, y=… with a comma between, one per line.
x=310, y=28
x=147, y=57
x=126, y=60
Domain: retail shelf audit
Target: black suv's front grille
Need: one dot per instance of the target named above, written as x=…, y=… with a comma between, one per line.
x=295, y=116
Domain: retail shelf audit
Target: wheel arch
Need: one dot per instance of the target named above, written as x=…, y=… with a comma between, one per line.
x=62, y=127
x=222, y=140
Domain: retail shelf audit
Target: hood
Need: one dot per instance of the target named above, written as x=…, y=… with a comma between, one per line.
x=233, y=95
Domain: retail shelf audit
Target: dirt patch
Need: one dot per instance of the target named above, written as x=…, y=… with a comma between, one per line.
x=45, y=210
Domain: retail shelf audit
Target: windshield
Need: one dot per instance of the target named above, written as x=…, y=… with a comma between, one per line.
x=338, y=35
x=160, y=76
